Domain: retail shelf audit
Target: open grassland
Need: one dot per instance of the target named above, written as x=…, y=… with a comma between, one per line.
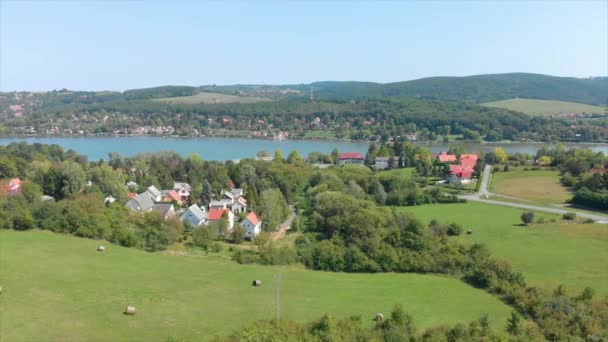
x=548, y=254
x=212, y=98
x=546, y=107
x=58, y=288
x=538, y=186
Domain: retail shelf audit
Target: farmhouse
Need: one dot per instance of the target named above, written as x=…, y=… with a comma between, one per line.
x=460, y=174
x=216, y=214
x=252, y=225
x=194, y=215
x=351, y=158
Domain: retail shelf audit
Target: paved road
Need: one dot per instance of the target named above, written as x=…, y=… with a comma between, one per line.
x=483, y=194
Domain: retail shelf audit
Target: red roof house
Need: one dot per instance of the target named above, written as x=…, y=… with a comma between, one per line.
x=215, y=214
x=460, y=173
x=469, y=159
x=446, y=158
x=351, y=158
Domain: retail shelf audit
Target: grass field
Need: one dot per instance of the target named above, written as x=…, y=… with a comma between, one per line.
x=205, y=97
x=538, y=186
x=58, y=288
x=547, y=254
x=546, y=107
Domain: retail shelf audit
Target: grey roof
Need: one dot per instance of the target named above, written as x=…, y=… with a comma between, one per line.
x=152, y=190
x=47, y=198
x=196, y=211
x=162, y=208
x=382, y=158
x=179, y=185
x=145, y=201
x=237, y=192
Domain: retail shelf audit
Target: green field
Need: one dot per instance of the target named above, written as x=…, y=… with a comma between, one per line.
x=538, y=186
x=58, y=288
x=547, y=254
x=205, y=97
x=545, y=107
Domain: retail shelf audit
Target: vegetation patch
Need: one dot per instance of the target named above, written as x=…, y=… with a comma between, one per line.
x=211, y=98
x=546, y=107
x=538, y=186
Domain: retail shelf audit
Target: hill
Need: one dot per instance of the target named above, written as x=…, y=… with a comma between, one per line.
x=212, y=98
x=57, y=287
x=546, y=107
x=478, y=88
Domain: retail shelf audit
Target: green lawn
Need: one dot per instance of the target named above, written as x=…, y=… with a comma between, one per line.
x=58, y=288
x=538, y=186
x=548, y=254
x=546, y=107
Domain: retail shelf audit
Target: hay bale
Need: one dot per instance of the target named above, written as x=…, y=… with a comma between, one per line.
x=101, y=248
x=256, y=283
x=469, y=232
x=130, y=310
x=0, y=289
x=379, y=317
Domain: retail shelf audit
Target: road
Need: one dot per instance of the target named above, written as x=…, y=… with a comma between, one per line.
x=482, y=196
x=285, y=226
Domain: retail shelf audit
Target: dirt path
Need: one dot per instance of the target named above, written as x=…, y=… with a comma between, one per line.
x=284, y=227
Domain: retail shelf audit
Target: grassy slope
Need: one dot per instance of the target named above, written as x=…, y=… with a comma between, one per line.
x=545, y=107
x=538, y=186
x=59, y=288
x=548, y=254
x=205, y=97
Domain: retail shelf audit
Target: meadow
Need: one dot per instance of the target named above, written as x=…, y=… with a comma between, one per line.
x=58, y=288
x=548, y=254
x=546, y=107
x=205, y=97
x=537, y=186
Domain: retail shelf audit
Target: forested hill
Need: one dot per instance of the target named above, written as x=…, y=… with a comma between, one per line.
x=479, y=89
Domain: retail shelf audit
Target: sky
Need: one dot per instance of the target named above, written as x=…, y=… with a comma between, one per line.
x=119, y=45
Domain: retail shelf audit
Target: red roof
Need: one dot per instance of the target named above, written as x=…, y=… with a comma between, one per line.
x=132, y=195
x=446, y=158
x=15, y=182
x=469, y=159
x=253, y=218
x=216, y=214
x=351, y=155
x=174, y=196
x=461, y=171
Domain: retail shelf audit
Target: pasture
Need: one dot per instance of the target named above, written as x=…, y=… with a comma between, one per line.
x=212, y=98
x=59, y=288
x=546, y=107
x=537, y=186
x=548, y=254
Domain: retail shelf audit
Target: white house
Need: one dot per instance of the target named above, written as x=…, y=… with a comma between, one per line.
x=252, y=225
x=215, y=214
x=194, y=215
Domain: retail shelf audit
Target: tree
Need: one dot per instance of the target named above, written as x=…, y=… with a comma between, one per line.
x=273, y=208
x=527, y=217
x=31, y=191
x=278, y=155
x=334, y=155
x=294, y=157
x=201, y=238
x=513, y=326
x=237, y=235
x=501, y=155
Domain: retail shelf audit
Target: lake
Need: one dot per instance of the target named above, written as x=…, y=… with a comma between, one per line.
x=238, y=148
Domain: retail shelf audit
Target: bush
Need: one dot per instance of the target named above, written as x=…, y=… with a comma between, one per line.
x=588, y=220
x=216, y=247
x=527, y=217
x=455, y=229
x=569, y=216
x=506, y=168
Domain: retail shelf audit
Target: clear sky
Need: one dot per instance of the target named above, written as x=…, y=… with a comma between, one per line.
x=118, y=45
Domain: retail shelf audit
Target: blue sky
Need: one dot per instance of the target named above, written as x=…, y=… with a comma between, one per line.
x=118, y=45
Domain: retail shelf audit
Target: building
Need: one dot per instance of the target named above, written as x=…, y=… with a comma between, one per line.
x=182, y=189
x=460, y=174
x=165, y=210
x=469, y=160
x=252, y=225
x=194, y=215
x=154, y=193
x=216, y=214
x=142, y=202
x=170, y=196
x=382, y=163
x=351, y=158
x=446, y=158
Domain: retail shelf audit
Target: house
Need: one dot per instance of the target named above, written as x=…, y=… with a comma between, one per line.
x=351, y=158
x=14, y=186
x=142, y=202
x=194, y=215
x=237, y=192
x=216, y=214
x=239, y=206
x=221, y=204
x=170, y=196
x=382, y=163
x=252, y=225
x=460, y=174
x=182, y=189
x=165, y=210
x=469, y=160
x=154, y=193
x=131, y=195
x=446, y=158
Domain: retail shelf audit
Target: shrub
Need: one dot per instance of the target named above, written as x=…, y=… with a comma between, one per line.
x=569, y=216
x=527, y=217
x=454, y=229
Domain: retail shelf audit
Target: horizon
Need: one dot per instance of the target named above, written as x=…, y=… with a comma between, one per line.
x=116, y=46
